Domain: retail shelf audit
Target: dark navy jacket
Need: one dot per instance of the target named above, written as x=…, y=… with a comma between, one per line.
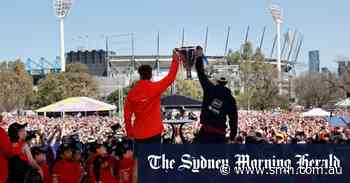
x=218, y=103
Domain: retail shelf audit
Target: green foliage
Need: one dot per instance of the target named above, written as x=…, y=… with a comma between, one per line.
x=233, y=58
x=189, y=88
x=73, y=83
x=247, y=53
x=258, y=80
x=113, y=97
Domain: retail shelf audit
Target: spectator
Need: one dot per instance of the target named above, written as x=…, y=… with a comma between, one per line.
x=63, y=169
x=22, y=162
x=5, y=153
x=40, y=157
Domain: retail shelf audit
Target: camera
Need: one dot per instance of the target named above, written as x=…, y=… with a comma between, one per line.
x=116, y=127
x=190, y=56
x=31, y=134
x=119, y=144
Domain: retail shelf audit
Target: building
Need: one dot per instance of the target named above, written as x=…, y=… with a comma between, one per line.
x=314, y=61
x=343, y=66
x=95, y=60
x=120, y=65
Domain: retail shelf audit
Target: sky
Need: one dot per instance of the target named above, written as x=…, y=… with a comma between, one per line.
x=29, y=28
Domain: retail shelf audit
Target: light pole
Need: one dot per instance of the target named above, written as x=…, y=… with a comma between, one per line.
x=62, y=8
x=276, y=12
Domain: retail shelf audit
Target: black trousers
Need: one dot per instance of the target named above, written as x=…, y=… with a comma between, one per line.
x=152, y=140
x=210, y=138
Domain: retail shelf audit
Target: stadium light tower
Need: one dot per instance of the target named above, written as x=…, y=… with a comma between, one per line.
x=277, y=16
x=62, y=8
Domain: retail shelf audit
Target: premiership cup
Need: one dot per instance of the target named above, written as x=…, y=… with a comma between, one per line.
x=189, y=59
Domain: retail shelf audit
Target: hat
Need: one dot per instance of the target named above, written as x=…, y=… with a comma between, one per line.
x=64, y=147
x=18, y=126
x=222, y=80
x=37, y=150
x=280, y=135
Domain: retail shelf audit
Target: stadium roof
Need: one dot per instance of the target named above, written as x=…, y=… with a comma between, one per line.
x=77, y=104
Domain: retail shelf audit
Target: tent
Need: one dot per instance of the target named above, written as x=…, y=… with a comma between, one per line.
x=339, y=121
x=316, y=112
x=179, y=101
x=343, y=103
x=77, y=104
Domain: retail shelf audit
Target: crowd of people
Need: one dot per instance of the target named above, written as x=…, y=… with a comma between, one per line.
x=283, y=128
x=55, y=145
x=96, y=149
x=71, y=150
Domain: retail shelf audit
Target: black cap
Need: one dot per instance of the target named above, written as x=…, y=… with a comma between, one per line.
x=64, y=147
x=37, y=150
x=18, y=126
x=222, y=80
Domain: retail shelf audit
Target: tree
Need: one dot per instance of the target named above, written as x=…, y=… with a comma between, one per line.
x=77, y=68
x=247, y=53
x=190, y=88
x=315, y=89
x=76, y=81
x=113, y=97
x=16, y=86
x=233, y=58
x=258, y=80
x=341, y=82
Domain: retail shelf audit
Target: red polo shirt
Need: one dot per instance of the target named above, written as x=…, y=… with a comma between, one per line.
x=67, y=172
x=125, y=170
x=47, y=176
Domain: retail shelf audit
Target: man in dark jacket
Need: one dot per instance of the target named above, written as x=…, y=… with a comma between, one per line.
x=218, y=103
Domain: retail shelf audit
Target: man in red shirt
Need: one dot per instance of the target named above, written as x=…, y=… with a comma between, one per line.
x=142, y=112
x=143, y=101
x=5, y=152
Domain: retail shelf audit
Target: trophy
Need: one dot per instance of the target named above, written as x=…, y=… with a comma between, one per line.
x=189, y=59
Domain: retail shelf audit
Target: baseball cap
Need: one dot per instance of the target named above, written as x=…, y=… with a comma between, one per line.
x=18, y=126
x=37, y=150
x=222, y=80
x=280, y=135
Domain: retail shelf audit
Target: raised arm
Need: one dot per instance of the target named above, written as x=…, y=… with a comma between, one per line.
x=163, y=84
x=203, y=78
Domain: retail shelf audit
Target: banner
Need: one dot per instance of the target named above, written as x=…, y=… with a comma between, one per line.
x=244, y=163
